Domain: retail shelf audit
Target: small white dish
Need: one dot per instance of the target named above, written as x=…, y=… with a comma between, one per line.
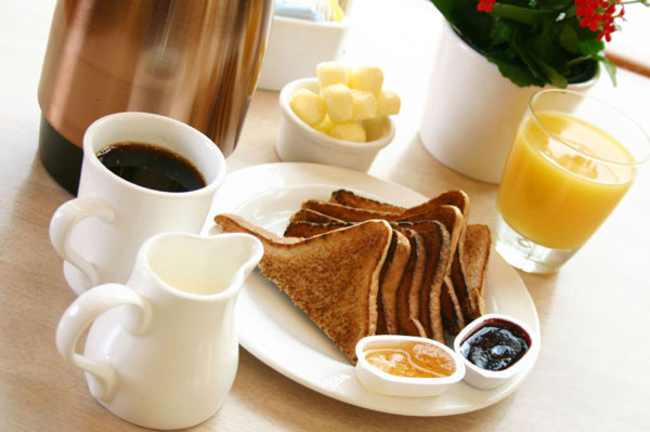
x=384, y=383
x=486, y=379
x=299, y=142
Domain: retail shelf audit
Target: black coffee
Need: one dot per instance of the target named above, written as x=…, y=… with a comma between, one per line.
x=152, y=167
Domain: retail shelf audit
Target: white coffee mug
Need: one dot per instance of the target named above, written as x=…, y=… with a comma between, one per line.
x=98, y=233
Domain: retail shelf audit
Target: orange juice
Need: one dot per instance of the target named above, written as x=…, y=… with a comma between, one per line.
x=557, y=188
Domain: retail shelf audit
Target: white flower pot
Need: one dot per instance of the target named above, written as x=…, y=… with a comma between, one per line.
x=472, y=113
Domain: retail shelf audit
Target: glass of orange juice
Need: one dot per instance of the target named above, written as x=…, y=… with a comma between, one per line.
x=573, y=159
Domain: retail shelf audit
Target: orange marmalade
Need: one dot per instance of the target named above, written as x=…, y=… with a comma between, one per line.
x=410, y=359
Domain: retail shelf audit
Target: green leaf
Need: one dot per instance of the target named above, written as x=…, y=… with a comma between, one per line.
x=520, y=14
x=568, y=38
x=544, y=44
x=532, y=42
x=518, y=45
x=555, y=4
x=501, y=32
x=556, y=78
x=590, y=46
x=518, y=74
x=475, y=26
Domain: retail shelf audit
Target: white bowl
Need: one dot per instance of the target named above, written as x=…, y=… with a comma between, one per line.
x=381, y=382
x=485, y=379
x=299, y=142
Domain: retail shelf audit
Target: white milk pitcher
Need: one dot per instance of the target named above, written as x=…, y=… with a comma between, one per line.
x=162, y=350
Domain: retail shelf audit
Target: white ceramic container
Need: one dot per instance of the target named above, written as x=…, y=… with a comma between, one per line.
x=99, y=233
x=472, y=113
x=162, y=351
x=296, y=46
x=485, y=379
x=381, y=382
x=299, y=142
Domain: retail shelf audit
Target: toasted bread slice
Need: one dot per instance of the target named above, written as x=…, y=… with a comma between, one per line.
x=392, y=283
x=349, y=198
x=391, y=276
x=456, y=198
x=397, y=306
x=311, y=229
x=450, y=216
x=333, y=277
x=328, y=212
x=424, y=289
x=306, y=215
x=346, y=213
x=426, y=299
x=476, y=255
x=451, y=208
x=452, y=219
x=450, y=310
x=468, y=271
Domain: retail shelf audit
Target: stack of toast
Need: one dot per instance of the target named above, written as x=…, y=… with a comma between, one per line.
x=359, y=267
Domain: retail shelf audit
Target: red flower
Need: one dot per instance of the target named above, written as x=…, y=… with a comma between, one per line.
x=599, y=16
x=485, y=5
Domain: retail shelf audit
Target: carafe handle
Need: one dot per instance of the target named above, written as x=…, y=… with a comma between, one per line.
x=65, y=218
x=81, y=314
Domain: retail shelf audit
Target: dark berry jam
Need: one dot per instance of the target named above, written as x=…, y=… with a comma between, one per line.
x=495, y=346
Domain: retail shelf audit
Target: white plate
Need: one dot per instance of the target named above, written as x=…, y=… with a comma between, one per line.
x=280, y=335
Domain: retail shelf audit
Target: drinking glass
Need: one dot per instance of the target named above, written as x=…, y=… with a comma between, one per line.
x=573, y=159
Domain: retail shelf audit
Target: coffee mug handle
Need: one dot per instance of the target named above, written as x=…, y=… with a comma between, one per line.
x=65, y=218
x=81, y=314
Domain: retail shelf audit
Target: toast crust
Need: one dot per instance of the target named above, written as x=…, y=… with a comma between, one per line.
x=392, y=283
x=411, y=282
x=346, y=213
x=349, y=198
x=424, y=305
x=457, y=198
x=450, y=216
x=452, y=314
x=310, y=229
x=394, y=268
x=476, y=256
x=307, y=215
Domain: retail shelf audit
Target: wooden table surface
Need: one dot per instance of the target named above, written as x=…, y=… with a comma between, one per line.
x=592, y=373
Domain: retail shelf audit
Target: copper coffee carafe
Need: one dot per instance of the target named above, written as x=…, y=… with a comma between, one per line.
x=195, y=60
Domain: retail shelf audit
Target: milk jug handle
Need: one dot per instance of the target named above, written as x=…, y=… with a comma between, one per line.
x=81, y=314
x=65, y=218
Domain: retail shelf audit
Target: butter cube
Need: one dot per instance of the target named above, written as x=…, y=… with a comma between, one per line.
x=325, y=126
x=364, y=105
x=309, y=106
x=366, y=78
x=338, y=98
x=351, y=131
x=376, y=128
x=388, y=103
x=329, y=73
